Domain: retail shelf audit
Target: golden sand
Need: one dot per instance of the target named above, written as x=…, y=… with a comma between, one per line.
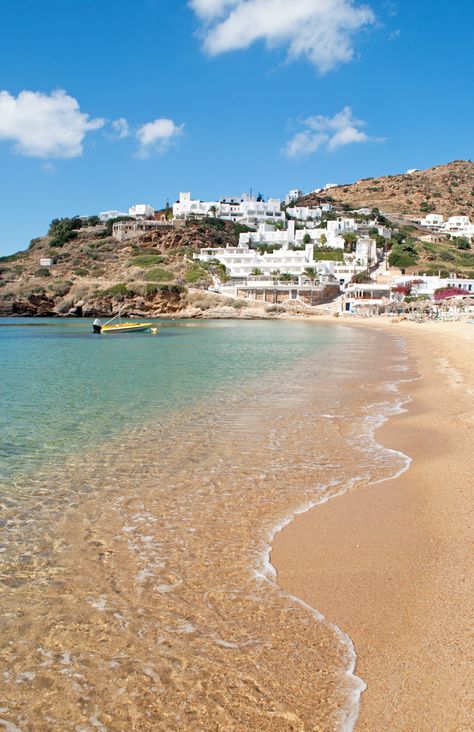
x=392, y=563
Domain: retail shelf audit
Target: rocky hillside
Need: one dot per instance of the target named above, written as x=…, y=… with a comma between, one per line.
x=445, y=189
x=93, y=274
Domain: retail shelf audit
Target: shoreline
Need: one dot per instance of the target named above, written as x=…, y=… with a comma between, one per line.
x=371, y=562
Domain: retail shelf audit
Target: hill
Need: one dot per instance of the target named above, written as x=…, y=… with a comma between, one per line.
x=445, y=189
x=93, y=274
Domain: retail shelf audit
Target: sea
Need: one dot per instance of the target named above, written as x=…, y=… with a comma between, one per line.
x=142, y=480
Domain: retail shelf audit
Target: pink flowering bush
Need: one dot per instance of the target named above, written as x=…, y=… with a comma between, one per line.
x=443, y=292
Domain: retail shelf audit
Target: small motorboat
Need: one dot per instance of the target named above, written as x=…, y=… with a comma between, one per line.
x=120, y=327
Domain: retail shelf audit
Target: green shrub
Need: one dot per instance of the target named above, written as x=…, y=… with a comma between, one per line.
x=63, y=230
x=120, y=290
x=336, y=255
x=195, y=273
x=42, y=272
x=11, y=257
x=158, y=274
x=154, y=288
x=447, y=257
x=81, y=272
x=147, y=260
x=461, y=242
x=401, y=259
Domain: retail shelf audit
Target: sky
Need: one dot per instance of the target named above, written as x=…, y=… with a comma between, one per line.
x=107, y=104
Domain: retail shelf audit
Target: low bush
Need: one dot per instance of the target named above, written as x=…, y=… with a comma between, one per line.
x=11, y=257
x=195, y=273
x=158, y=274
x=42, y=272
x=120, y=290
x=336, y=255
x=81, y=272
x=154, y=288
x=61, y=288
x=147, y=260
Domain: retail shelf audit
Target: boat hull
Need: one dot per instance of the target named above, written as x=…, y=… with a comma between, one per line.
x=126, y=328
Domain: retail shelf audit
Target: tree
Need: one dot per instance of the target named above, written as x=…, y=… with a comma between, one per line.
x=307, y=239
x=350, y=240
x=287, y=277
x=323, y=240
x=461, y=242
x=402, y=260
x=256, y=272
x=311, y=273
x=213, y=210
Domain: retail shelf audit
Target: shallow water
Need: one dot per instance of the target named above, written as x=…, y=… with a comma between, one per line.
x=135, y=584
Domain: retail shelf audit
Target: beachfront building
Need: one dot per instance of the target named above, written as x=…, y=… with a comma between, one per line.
x=245, y=209
x=243, y=261
x=428, y=284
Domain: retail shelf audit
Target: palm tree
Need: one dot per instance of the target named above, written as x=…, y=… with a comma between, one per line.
x=256, y=272
x=286, y=277
x=213, y=210
x=350, y=240
x=310, y=273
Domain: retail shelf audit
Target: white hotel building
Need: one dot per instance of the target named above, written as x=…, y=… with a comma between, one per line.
x=240, y=261
x=244, y=209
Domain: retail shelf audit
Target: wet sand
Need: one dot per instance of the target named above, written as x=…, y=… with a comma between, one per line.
x=392, y=563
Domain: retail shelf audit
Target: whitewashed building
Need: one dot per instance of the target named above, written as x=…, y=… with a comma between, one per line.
x=141, y=211
x=304, y=213
x=458, y=226
x=432, y=221
x=242, y=261
x=455, y=225
x=428, y=284
x=109, y=215
x=269, y=234
x=293, y=195
x=244, y=209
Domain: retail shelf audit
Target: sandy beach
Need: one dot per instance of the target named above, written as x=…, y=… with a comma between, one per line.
x=391, y=564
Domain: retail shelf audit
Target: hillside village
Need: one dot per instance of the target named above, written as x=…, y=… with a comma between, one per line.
x=247, y=256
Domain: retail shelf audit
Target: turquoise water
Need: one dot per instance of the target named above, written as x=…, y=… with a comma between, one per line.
x=64, y=389
x=143, y=480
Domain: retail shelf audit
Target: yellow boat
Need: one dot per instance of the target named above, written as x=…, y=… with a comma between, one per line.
x=127, y=327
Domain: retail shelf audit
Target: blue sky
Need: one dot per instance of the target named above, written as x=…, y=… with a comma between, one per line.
x=107, y=104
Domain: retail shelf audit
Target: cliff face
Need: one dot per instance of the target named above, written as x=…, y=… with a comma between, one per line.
x=445, y=189
x=92, y=274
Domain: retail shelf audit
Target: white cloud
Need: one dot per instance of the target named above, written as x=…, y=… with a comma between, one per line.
x=319, y=30
x=207, y=9
x=329, y=133
x=120, y=128
x=157, y=135
x=45, y=125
